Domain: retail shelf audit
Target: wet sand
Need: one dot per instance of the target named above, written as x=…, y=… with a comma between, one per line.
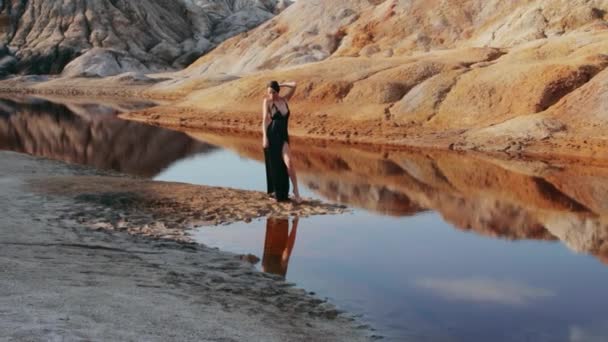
x=165, y=210
x=62, y=280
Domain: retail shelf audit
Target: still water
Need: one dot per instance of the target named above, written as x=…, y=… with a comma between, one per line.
x=416, y=277
x=438, y=247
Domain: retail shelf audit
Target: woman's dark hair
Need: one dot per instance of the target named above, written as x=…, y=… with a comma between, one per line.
x=274, y=85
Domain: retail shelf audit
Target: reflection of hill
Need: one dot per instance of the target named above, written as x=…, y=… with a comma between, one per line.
x=508, y=199
x=97, y=139
x=378, y=199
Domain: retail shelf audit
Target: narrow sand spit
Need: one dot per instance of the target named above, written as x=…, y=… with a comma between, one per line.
x=162, y=209
x=61, y=281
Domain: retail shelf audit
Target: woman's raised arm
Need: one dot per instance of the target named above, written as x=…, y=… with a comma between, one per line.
x=292, y=89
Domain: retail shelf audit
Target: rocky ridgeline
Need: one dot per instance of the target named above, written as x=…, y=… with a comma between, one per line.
x=108, y=37
x=317, y=29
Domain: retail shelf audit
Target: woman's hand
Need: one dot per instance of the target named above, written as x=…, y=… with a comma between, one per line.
x=292, y=89
x=265, y=142
x=288, y=84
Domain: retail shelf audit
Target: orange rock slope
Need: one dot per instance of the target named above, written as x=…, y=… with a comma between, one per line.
x=515, y=76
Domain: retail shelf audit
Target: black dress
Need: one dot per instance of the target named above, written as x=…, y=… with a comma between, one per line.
x=277, y=177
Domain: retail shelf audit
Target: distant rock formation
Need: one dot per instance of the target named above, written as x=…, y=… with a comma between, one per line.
x=106, y=37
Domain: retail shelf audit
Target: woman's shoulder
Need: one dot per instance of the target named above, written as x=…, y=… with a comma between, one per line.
x=268, y=99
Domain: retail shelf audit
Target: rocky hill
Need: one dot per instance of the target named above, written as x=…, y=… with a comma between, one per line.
x=106, y=37
x=522, y=76
x=316, y=30
x=470, y=74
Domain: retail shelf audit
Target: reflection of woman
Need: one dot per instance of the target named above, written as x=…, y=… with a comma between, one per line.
x=279, y=166
x=278, y=245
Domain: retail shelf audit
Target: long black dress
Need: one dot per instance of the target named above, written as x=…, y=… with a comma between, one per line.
x=277, y=177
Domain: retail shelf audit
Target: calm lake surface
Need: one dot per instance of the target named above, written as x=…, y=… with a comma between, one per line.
x=438, y=247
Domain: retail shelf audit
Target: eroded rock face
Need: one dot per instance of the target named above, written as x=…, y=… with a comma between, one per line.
x=314, y=30
x=468, y=74
x=309, y=31
x=8, y=63
x=120, y=36
x=465, y=74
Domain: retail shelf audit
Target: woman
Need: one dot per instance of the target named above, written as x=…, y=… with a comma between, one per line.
x=275, y=139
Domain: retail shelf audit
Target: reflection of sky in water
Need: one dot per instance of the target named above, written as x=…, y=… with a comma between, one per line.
x=593, y=332
x=483, y=290
x=418, y=277
x=222, y=168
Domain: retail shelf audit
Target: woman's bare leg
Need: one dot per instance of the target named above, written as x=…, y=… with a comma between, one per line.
x=291, y=170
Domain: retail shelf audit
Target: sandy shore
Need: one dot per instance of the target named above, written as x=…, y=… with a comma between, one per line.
x=62, y=281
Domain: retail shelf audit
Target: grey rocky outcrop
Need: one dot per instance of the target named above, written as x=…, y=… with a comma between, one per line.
x=8, y=62
x=108, y=37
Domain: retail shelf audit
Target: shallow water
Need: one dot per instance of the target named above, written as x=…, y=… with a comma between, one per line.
x=439, y=247
x=420, y=278
x=416, y=277
x=220, y=168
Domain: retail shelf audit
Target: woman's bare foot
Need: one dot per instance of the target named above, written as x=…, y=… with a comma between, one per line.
x=297, y=198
